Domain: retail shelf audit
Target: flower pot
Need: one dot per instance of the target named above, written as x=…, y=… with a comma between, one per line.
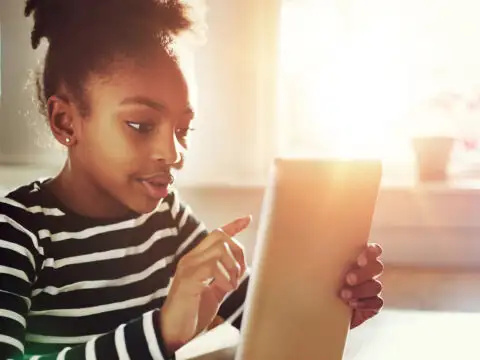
x=433, y=157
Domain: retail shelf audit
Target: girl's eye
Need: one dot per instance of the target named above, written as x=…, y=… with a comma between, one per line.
x=183, y=132
x=140, y=127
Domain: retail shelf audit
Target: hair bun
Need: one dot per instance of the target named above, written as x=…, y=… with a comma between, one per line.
x=49, y=16
x=82, y=19
x=30, y=6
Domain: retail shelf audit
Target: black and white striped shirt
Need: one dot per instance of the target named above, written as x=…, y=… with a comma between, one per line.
x=73, y=287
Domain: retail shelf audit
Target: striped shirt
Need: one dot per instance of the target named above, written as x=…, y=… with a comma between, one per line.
x=73, y=287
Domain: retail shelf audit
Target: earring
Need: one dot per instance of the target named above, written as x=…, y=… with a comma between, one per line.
x=67, y=140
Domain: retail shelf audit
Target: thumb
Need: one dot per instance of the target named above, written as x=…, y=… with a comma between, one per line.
x=236, y=226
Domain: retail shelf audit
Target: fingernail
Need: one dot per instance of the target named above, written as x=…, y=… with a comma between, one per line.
x=246, y=220
x=374, y=248
x=362, y=260
x=353, y=304
x=351, y=279
x=346, y=294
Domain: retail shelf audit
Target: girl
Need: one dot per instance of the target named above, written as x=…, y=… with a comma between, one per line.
x=104, y=261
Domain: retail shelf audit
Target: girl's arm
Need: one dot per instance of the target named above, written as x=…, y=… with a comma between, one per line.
x=20, y=259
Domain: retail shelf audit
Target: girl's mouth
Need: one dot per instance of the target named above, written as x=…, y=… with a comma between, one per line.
x=156, y=186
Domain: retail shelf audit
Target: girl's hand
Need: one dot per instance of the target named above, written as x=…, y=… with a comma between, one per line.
x=362, y=290
x=203, y=278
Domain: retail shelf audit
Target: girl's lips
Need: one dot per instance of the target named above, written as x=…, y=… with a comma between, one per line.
x=155, y=189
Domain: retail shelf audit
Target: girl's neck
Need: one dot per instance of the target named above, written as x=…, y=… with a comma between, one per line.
x=77, y=191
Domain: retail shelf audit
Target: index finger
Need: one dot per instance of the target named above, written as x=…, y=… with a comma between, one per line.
x=236, y=226
x=227, y=231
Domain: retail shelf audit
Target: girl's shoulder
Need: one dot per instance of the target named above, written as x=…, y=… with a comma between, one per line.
x=24, y=196
x=26, y=201
x=20, y=210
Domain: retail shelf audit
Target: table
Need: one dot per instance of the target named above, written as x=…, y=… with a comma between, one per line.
x=392, y=335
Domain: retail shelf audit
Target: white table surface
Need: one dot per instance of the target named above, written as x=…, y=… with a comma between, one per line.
x=392, y=335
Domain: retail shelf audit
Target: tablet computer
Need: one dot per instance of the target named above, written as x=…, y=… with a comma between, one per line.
x=316, y=218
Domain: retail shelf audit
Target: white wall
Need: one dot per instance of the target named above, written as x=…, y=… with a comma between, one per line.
x=19, y=120
x=432, y=225
x=235, y=72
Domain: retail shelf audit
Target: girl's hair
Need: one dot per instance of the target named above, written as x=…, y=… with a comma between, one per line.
x=86, y=36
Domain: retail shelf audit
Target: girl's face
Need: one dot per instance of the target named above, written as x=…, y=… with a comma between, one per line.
x=136, y=131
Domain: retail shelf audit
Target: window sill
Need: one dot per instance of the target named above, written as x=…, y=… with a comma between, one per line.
x=401, y=203
x=13, y=175
x=434, y=224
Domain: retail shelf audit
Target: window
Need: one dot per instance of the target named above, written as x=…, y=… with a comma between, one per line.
x=362, y=77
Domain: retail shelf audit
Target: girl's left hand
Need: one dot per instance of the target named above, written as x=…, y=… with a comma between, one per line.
x=362, y=290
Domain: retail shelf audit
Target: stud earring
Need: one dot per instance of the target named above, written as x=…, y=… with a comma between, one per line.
x=67, y=140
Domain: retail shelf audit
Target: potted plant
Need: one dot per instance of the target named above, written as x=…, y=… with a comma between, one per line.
x=432, y=155
x=437, y=133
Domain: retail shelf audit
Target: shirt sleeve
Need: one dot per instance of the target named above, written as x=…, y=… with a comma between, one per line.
x=191, y=232
x=20, y=258
x=232, y=307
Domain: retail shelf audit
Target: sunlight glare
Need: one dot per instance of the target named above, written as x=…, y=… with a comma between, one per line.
x=364, y=75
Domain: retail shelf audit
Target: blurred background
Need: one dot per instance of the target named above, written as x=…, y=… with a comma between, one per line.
x=396, y=79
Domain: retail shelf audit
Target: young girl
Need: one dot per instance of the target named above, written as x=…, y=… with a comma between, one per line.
x=104, y=261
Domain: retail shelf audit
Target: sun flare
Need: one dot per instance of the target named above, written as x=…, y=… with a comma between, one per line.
x=363, y=78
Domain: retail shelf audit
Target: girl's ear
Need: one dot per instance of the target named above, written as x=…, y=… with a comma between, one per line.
x=60, y=119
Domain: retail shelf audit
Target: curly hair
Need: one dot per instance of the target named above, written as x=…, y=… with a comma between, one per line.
x=86, y=36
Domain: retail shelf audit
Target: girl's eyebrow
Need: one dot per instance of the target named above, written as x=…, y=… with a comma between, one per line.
x=143, y=100
x=146, y=101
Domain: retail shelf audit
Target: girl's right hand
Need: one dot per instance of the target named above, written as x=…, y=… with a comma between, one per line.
x=203, y=278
